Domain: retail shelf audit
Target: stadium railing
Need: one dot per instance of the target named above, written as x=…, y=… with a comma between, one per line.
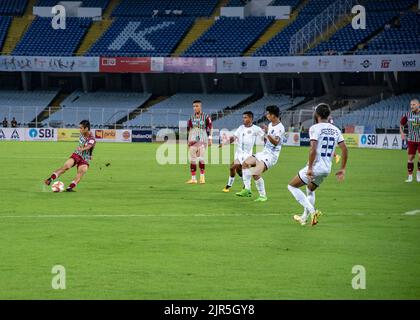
x=171, y=118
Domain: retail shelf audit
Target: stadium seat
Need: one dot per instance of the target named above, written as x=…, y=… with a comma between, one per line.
x=135, y=8
x=13, y=7
x=228, y=37
x=178, y=107
x=141, y=37
x=42, y=40
x=101, y=108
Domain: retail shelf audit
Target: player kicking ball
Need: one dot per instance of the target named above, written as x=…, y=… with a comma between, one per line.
x=245, y=137
x=79, y=158
x=324, y=138
x=255, y=165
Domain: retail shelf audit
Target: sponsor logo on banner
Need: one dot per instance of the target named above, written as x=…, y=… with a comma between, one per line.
x=43, y=134
x=304, y=139
x=141, y=136
x=123, y=136
x=157, y=64
x=351, y=140
x=408, y=63
x=68, y=135
x=12, y=134
x=368, y=141
x=366, y=63
x=385, y=63
x=178, y=65
x=109, y=135
x=263, y=64
x=227, y=64
x=390, y=141
x=125, y=65
x=292, y=139
x=323, y=63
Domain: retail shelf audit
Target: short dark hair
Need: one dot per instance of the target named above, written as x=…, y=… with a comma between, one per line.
x=85, y=124
x=196, y=101
x=274, y=110
x=323, y=110
x=249, y=113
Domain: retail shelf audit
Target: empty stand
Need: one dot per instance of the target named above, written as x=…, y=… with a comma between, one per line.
x=229, y=37
x=42, y=39
x=178, y=107
x=141, y=37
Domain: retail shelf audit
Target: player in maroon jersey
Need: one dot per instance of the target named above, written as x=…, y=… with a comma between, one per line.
x=79, y=158
x=199, y=137
x=412, y=120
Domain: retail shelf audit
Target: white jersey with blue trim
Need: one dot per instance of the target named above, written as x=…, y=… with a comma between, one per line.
x=276, y=131
x=328, y=136
x=247, y=137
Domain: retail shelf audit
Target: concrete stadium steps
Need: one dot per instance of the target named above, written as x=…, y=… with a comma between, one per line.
x=271, y=31
x=54, y=106
x=111, y=7
x=96, y=30
x=330, y=32
x=200, y=26
x=29, y=7
x=148, y=104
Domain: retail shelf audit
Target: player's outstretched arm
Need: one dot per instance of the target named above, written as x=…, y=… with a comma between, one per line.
x=344, y=154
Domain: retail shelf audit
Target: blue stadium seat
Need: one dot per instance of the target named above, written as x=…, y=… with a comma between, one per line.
x=42, y=39
x=4, y=27
x=124, y=37
x=135, y=8
x=13, y=7
x=86, y=3
x=228, y=37
x=398, y=38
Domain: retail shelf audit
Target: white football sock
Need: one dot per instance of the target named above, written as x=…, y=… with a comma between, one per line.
x=231, y=181
x=260, y=186
x=310, y=195
x=246, y=176
x=302, y=199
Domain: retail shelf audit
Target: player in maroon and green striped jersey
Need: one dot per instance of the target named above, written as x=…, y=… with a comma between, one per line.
x=80, y=158
x=199, y=137
x=412, y=120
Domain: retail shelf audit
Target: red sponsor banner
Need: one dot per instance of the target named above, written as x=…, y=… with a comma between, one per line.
x=127, y=65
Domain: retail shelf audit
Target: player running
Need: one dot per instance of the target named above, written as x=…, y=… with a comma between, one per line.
x=80, y=158
x=264, y=160
x=199, y=137
x=412, y=120
x=245, y=137
x=324, y=138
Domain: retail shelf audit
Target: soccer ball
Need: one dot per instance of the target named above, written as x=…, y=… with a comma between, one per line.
x=57, y=186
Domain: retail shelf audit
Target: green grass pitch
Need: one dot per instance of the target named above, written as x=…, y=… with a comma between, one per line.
x=135, y=230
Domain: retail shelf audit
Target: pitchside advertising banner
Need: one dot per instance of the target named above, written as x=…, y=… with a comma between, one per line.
x=42, y=134
x=348, y=63
x=12, y=134
x=142, y=136
x=51, y=64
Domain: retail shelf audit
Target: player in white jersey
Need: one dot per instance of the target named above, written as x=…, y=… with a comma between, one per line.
x=324, y=138
x=245, y=137
x=265, y=159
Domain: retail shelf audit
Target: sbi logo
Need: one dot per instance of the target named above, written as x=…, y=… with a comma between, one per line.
x=41, y=133
x=369, y=140
x=33, y=133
